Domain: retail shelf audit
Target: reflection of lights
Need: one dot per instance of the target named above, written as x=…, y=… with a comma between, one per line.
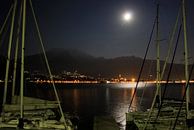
x=107, y=95
x=132, y=84
x=134, y=103
x=183, y=90
x=75, y=97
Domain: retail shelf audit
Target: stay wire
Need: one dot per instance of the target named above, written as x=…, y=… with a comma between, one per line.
x=148, y=45
x=170, y=48
x=171, y=39
x=182, y=101
x=48, y=66
x=169, y=72
x=149, y=78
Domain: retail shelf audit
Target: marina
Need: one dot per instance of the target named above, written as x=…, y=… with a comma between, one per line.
x=77, y=91
x=83, y=99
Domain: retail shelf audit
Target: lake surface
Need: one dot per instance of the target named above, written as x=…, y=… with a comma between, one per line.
x=89, y=100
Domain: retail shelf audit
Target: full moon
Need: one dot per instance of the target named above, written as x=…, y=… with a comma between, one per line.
x=127, y=16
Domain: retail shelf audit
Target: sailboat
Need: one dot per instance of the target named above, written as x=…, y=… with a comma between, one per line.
x=169, y=114
x=27, y=112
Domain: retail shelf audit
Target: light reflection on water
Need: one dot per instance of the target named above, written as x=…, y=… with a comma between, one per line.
x=89, y=100
x=120, y=108
x=127, y=85
x=75, y=97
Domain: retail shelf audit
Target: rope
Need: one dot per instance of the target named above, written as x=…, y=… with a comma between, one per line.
x=187, y=76
x=164, y=66
x=150, y=68
x=182, y=101
x=9, y=54
x=170, y=44
x=47, y=64
x=168, y=77
x=16, y=53
x=149, y=42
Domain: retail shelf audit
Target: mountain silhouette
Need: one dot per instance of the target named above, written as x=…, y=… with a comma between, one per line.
x=73, y=60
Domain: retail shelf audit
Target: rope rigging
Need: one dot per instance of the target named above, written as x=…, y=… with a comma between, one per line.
x=47, y=64
x=144, y=59
x=21, y=29
x=149, y=78
x=168, y=76
x=171, y=39
x=9, y=55
x=183, y=98
x=187, y=74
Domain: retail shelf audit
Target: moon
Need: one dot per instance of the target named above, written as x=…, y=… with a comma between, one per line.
x=127, y=16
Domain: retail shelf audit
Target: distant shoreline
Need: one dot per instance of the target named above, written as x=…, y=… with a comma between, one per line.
x=105, y=81
x=100, y=82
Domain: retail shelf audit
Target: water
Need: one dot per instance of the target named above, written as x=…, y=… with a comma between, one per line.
x=89, y=100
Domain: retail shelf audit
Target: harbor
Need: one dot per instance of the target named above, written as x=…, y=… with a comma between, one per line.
x=96, y=66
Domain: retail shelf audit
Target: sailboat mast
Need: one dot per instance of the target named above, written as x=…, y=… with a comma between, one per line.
x=16, y=54
x=48, y=67
x=14, y=71
x=185, y=54
x=158, y=55
x=9, y=54
x=22, y=59
x=158, y=89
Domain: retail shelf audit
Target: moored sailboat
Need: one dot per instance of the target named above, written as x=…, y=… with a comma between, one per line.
x=27, y=112
x=169, y=114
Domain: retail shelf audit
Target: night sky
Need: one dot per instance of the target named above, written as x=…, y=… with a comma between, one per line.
x=97, y=28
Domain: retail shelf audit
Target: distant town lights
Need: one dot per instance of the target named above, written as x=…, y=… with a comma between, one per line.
x=133, y=79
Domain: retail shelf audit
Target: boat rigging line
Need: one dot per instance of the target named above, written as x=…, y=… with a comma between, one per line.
x=187, y=76
x=170, y=43
x=8, y=56
x=183, y=98
x=171, y=39
x=21, y=29
x=47, y=64
x=169, y=72
x=142, y=66
x=149, y=78
x=16, y=53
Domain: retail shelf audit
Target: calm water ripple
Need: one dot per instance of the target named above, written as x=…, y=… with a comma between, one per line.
x=89, y=100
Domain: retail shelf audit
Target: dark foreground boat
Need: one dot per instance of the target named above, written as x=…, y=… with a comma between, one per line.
x=168, y=114
x=27, y=112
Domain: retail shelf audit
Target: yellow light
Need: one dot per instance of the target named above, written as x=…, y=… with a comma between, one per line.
x=133, y=79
